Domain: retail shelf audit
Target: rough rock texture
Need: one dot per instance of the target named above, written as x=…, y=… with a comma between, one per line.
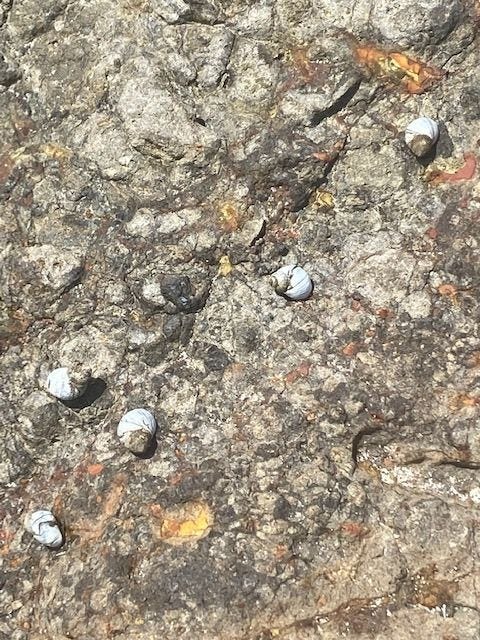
x=316, y=471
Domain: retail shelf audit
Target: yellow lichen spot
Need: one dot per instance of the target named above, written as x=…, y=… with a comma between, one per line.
x=273, y=111
x=323, y=199
x=230, y=216
x=18, y=154
x=55, y=151
x=186, y=523
x=225, y=267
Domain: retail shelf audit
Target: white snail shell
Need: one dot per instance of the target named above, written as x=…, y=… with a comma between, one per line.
x=64, y=386
x=293, y=282
x=420, y=135
x=136, y=430
x=44, y=527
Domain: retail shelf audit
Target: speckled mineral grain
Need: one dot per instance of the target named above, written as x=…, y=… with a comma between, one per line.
x=316, y=468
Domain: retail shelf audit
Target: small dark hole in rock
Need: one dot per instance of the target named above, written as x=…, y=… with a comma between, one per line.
x=200, y=121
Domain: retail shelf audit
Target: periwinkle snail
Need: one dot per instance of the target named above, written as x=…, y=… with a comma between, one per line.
x=65, y=385
x=136, y=430
x=44, y=528
x=421, y=135
x=292, y=282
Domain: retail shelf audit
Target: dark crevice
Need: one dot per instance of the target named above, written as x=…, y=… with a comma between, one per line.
x=260, y=234
x=460, y=464
x=357, y=441
x=75, y=282
x=337, y=106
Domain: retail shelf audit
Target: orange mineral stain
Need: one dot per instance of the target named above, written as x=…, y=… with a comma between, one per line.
x=397, y=68
x=465, y=172
x=95, y=469
x=301, y=371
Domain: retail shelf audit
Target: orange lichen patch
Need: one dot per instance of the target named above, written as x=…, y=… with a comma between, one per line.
x=225, y=267
x=351, y=349
x=183, y=524
x=463, y=401
x=449, y=291
x=354, y=529
x=95, y=469
x=301, y=371
x=458, y=172
x=230, y=217
x=397, y=68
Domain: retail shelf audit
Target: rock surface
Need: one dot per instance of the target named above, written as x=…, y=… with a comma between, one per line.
x=316, y=471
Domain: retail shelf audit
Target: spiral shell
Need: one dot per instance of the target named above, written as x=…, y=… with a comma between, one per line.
x=293, y=282
x=421, y=135
x=44, y=527
x=64, y=386
x=136, y=430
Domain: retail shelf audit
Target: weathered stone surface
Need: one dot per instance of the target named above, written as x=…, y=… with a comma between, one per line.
x=315, y=469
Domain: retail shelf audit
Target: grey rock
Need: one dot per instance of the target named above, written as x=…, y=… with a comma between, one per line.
x=159, y=160
x=415, y=23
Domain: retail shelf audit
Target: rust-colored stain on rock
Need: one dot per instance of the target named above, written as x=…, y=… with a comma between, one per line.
x=397, y=68
x=454, y=170
x=301, y=371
